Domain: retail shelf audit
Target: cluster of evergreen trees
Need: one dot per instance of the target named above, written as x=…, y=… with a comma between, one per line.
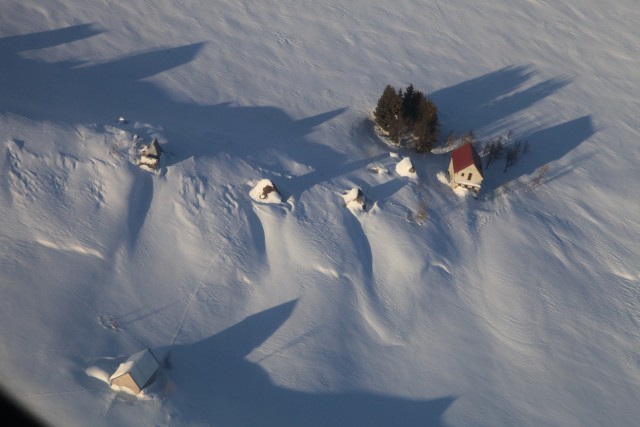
x=407, y=116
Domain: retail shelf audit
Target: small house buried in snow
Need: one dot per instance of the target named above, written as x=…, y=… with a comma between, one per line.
x=465, y=169
x=265, y=191
x=355, y=199
x=150, y=155
x=136, y=373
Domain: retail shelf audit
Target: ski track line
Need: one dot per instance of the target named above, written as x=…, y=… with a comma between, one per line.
x=46, y=125
x=59, y=393
x=199, y=285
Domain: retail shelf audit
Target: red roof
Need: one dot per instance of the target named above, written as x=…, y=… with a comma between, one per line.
x=465, y=156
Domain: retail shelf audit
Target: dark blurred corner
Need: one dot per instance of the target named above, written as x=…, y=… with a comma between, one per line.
x=16, y=415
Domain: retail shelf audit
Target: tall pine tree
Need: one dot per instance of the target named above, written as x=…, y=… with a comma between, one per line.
x=426, y=128
x=410, y=101
x=408, y=114
x=388, y=112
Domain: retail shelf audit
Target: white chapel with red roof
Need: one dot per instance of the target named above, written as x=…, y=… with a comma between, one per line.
x=465, y=168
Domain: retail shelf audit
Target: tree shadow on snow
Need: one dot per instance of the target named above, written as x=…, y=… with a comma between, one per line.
x=73, y=92
x=486, y=102
x=140, y=197
x=254, y=133
x=546, y=146
x=385, y=190
x=214, y=384
x=297, y=185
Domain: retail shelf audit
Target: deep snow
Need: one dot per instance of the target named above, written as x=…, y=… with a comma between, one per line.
x=519, y=308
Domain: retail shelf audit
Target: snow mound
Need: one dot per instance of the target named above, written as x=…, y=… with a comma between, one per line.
x=442, y=177
x=265, y=192
x=405, y=168
x=444, y=149
x=98, y=373
x=463, y=193
x=378, y=169
x=355, y=199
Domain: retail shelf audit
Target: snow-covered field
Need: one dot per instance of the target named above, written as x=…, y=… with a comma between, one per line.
x=518, y=308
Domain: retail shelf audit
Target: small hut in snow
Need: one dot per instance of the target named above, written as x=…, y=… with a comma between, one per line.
x=150, y=155
x=465, y=168
x=136, y=373
x=265, y=191
x=355, y=199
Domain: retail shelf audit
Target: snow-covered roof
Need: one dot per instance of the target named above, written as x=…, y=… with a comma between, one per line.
x=354, y=199
x=141, y=366
x=265, y=192
x=153, y=149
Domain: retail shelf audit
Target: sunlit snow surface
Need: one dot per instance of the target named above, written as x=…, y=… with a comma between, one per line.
x=518, y=308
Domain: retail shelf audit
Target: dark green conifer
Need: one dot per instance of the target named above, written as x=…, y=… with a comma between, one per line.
x=410, y=101
x=408, y=115
x=389, y=109
x=426, y=128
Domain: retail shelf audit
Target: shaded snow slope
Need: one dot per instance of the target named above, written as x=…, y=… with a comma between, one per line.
x=518, y=308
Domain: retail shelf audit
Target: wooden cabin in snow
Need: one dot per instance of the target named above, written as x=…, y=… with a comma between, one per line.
x=150, y=155
x=465, y=168
x=136, y=373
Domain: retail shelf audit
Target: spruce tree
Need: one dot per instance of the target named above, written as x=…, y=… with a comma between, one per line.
x=426, y=128
x=408, y=113
x=410, y=102
x=389, y=109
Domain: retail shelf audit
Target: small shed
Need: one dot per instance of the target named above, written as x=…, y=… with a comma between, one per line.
x=136, y=373
x=265, y=191
x=465, y=168
x=355, y=199
x=150, y=155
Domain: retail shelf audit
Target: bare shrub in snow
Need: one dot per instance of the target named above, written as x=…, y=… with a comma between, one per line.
x=512, y=154
x=542, y=172
x=493, y=150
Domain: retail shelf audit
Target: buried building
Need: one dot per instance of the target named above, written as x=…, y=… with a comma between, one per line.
x=150, y=155
x=355, y=199
x=136, y=373
x=265, y=191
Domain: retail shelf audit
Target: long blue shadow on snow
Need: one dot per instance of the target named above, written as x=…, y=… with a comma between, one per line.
x=254, y=132
x=256, y=230
x=140, y=198
x=216, y=385
x=297, y=185
x=364, y=254
x=73, y=92
x=546, y=145
x=485, y=102
x=41, y=40
x=383, y=191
